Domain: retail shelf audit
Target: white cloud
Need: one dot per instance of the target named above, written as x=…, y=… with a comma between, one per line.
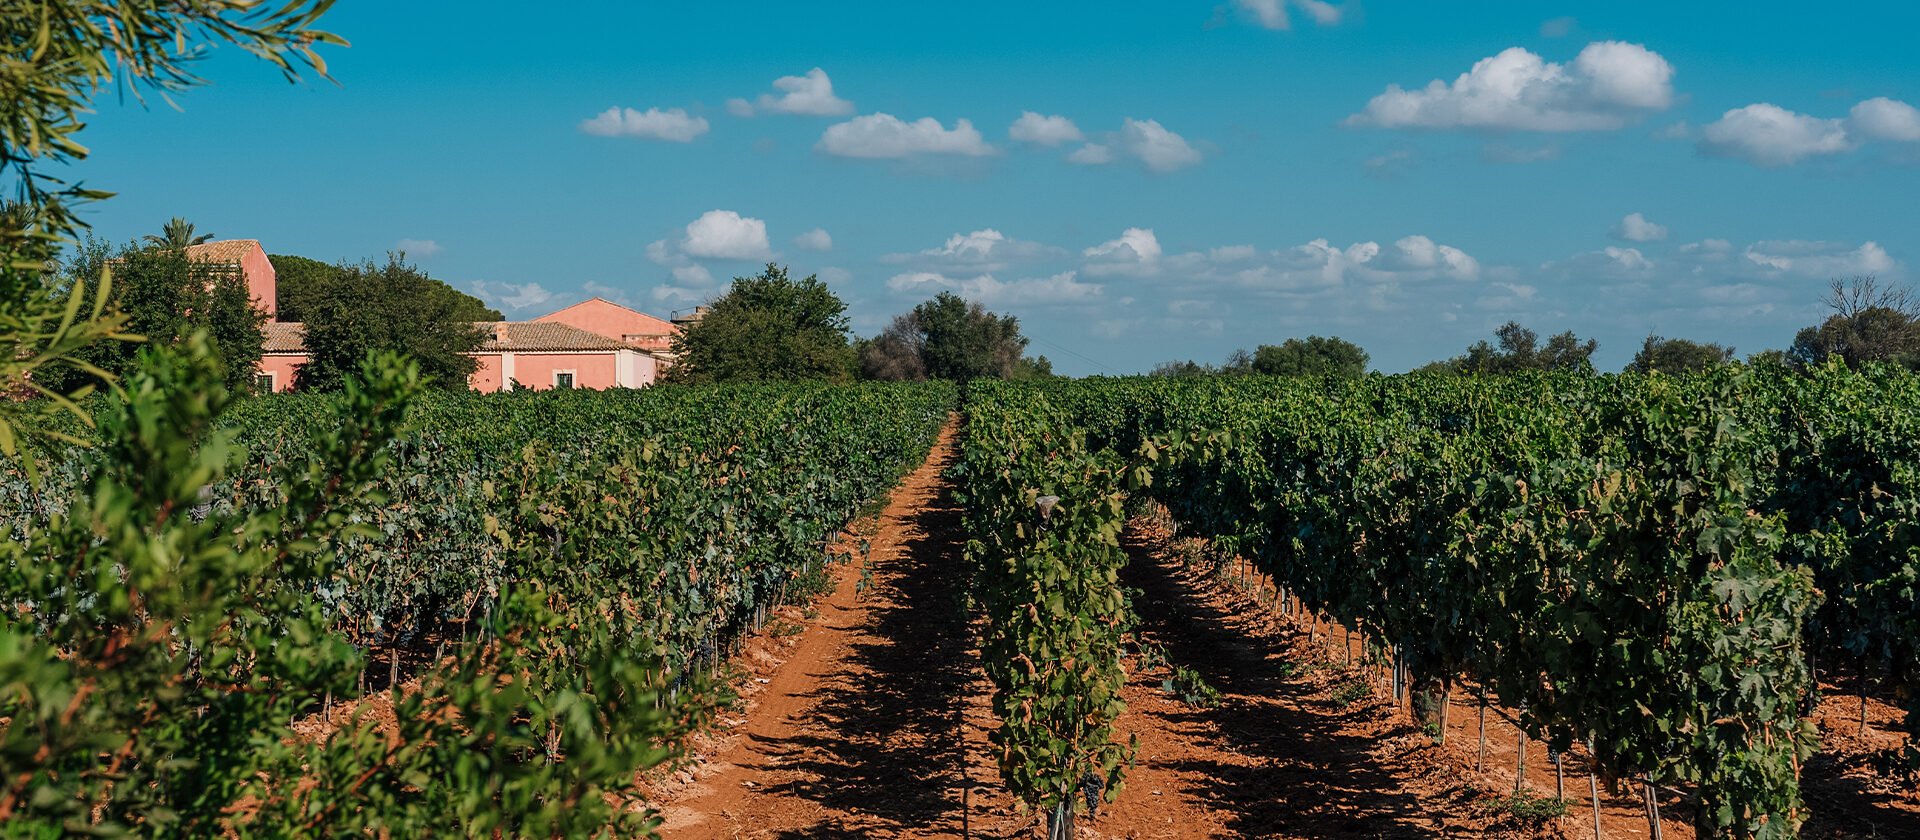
x=726, y=235
x=1161, y=150
x=1881, y=118
x=1635, y=228
x=692, y=274
x=1135, y=252
x=1769, y=135
x=1272, y=14
x=984, y=289
x=418, y=247
x=1819, y=260
x=1044, y=130
x=1605, y=87
x=887, y=136
x=1421, y=253
x=1091, y=154
x=512, y=297
x=981, y=250
x=809, y=95
x=814, y=240
x=1628, y=258
x=1559, y=27
x=673, y=125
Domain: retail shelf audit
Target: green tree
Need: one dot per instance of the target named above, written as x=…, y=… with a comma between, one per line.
x=1181, y=369
x=165, y=297
x=1315, y=356
x=1520, y=349
x=1870, y=323
x=302, y=282
x=769, y=327
x=1678, y=355
x=949, y=338
x=176, y=235
x=391, y=307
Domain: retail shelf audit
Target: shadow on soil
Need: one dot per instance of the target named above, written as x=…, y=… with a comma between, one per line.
x=894, y=755
x=1311, y=778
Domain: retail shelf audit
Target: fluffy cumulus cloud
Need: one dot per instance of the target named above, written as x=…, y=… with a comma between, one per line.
x=1146, y=141
x=1156, y=147
x=673, y=125
x=1608, y=85
x=1420, y=253
x=985, y=289
x=1766, y=134
x=888, y=136
x=981, y=250
x=1273, y=14
x=814, y=240
x=1881, y=118
x=1044, y=130
x=418, y=247
x=1636, y=228
x=512, y=297
x=726, y=235
x=807, y=95
x=1769, y=135
x=1137, y=251
x=1811, y=260
x=1091, y=154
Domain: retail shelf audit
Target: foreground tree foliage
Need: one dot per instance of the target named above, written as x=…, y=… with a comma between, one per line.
x=391, y=307
x=1677, y=356
x=165, y=297
x=949, y=338
x=159, y=645
x=767, y=328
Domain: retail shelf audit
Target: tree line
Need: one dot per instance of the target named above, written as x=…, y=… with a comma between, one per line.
x=1871, y=322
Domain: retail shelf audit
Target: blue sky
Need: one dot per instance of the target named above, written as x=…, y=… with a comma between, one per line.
x=1194, y=176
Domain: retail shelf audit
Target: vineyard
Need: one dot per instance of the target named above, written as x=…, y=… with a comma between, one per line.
x=1642, y=567
x=391, y=611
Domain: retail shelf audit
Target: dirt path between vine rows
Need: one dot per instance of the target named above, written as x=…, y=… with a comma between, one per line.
x=867, y=715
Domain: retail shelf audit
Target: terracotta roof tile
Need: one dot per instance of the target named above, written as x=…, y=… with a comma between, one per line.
x=538, y=336
x=225, y=250
x=283, y=337
x=501, y=336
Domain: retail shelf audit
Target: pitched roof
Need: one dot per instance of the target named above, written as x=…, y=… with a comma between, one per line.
x=225, y=250
x=501, y=336
x=283, y=337
x=538, y=336
x=603, y=304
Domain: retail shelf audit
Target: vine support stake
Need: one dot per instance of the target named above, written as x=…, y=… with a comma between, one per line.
x=1593, y=788
x=1481, y=764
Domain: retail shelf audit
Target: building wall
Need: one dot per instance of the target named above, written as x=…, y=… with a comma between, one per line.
x=283, y=366
x=262, y=280
x=488, y=375
x=616, y=322
x=597, y=370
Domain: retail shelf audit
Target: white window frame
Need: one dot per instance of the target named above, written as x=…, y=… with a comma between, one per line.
x=573, y=379
x=273, y=380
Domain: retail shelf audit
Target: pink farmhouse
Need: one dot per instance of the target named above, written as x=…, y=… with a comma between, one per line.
x=596, y=344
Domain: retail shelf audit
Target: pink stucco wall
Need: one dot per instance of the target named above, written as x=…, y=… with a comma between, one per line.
x=590, y=370
x=283, y=368
x=486, y=376
x=261, y=280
